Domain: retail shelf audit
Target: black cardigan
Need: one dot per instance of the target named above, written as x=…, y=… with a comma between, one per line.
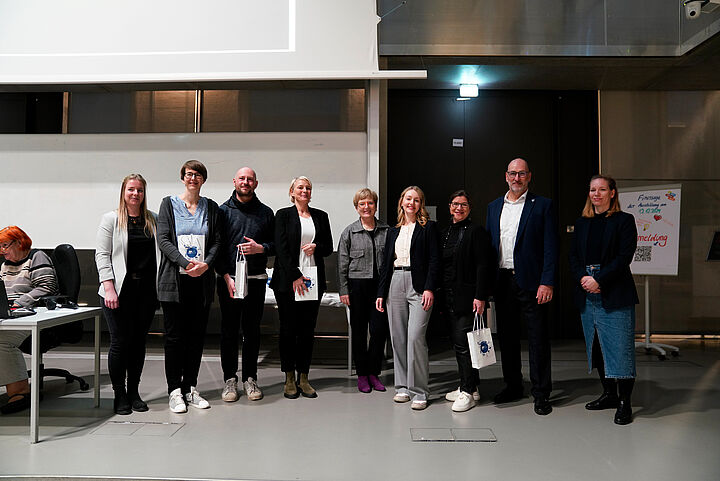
x=287, y=247
x=619, y=241
x=424, y=259
x=474, y=267
x=169, y=273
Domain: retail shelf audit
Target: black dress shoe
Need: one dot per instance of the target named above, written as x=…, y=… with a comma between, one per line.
x=623, y=415
x=508, y=395
x=542, y=406
x=121, y=404
x=605, y=401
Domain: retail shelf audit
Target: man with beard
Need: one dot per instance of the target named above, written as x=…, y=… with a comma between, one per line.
x=522, y=227
x=247, y=226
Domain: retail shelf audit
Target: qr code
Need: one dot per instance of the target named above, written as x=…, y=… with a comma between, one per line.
x=643, y=254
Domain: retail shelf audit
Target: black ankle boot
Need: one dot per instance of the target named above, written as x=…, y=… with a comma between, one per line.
x=608, y=399
x=623, y=415
x=121, y=403
x=605, y=401
x=136, y=401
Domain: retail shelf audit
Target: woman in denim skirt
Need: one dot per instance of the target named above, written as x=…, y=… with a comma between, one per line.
x=600, y=256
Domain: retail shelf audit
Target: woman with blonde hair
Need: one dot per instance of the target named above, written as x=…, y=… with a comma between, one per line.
x=127, y=259
x=302, y=239
x=600, y=255
x=409, y=277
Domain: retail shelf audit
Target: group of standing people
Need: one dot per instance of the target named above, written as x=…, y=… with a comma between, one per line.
x=390, y=277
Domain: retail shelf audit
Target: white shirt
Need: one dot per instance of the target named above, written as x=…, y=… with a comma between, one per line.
x=509, y=222
x=307, y=234
x=402, y=245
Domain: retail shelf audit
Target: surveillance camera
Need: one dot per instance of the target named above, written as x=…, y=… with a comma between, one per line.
x=693, y=7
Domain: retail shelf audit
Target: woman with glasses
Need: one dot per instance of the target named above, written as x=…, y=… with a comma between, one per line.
x=360, y=254
x=188, y=237
x=408, y=279
x=466, y=271
x=302, y=239
x=600, y=255
x=127, y=257
x=28, y=275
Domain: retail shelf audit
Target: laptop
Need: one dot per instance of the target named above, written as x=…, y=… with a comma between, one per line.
x=5, y=312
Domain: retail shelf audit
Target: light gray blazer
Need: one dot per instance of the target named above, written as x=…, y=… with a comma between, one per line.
x=111, y=251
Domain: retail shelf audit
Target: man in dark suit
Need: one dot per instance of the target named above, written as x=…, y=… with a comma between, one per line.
x=522, y=227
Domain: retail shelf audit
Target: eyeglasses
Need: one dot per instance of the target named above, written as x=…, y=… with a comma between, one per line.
x=521, y=174
x=455, y=205
x=193, y=175
x=6, y=245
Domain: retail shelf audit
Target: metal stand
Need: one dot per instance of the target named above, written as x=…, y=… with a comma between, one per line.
x=649, y=346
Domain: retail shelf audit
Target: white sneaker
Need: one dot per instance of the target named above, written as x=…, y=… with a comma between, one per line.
x=463, y=402
x=418, y=404
x=194, y=399
x=177, y=404
x=252, y=390
x=230, y=393
x=453, y=395
x=401, y=397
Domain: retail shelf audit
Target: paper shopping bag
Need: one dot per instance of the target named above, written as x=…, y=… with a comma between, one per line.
x=241, y=275
x=310, y=273
x=482, y=351
x=192, y=248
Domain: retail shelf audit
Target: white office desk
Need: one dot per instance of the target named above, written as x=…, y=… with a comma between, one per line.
x=42, y=320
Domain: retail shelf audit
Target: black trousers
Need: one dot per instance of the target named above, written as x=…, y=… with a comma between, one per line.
x=368, y=357
x=513, y=304
x=460, y=324
x=185, y=326
x=236, y=313
x=128, y=326
x=297, y=331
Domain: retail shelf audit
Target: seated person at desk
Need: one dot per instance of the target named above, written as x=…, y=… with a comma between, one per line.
x=28, y=275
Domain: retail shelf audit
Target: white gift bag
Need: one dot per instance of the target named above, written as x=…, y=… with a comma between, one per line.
x=310, y=272
x=482, y=351
x=192, y=248
x=241, y=275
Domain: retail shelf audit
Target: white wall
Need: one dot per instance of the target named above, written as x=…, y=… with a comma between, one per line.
x=56, y=187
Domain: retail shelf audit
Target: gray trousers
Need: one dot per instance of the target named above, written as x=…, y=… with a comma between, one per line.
x=12, y=362
x=408, y=324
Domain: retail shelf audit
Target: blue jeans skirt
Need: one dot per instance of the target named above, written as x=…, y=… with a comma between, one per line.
x=616, y=334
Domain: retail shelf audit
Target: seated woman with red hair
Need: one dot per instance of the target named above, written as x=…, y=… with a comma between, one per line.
x=28, y=274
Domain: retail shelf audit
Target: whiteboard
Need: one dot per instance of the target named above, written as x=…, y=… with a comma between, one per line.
x=657, y=216
x=90, y=41
x=56, y=187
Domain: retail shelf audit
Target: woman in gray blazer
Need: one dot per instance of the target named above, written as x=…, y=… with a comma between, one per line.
x=127, y=257
x=360, y=254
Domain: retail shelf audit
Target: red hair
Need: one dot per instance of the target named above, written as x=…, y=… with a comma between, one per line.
x=15, y=233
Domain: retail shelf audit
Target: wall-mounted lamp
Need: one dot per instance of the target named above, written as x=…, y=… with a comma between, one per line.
x=468, y=90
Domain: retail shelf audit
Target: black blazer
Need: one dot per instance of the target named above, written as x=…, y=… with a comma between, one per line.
x=618, y=247
x=287, y=247
x=424, y=259
x=474, y=264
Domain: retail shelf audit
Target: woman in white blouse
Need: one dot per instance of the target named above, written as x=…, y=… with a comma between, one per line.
x=302, y=240
x=409, y=276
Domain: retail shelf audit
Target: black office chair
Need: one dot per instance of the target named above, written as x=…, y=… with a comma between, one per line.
x=67, y=270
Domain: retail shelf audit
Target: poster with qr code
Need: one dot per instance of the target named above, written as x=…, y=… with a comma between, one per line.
x=657, y=217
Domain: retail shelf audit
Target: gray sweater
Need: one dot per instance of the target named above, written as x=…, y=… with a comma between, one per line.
x=168, y=272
